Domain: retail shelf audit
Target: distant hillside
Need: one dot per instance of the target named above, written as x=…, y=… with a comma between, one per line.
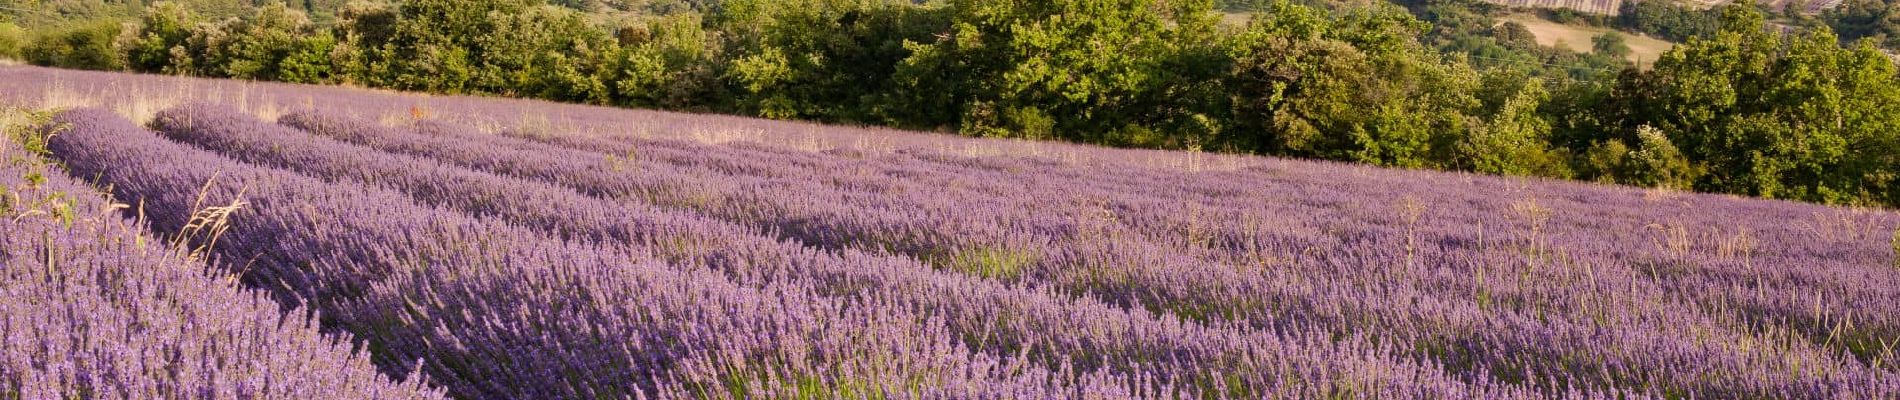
x=37, y=13
x=1617, y=7
x=34, y=13
x=1604, y=7
x=1643, y=50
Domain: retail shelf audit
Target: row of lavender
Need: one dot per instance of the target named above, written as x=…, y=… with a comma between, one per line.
x=139, y=95
x=90, y=307
x=1055, y=332
x=1501, y=337
x=493, y=310
x=1819, y=287
x=1545, y=286
x=1664, y=326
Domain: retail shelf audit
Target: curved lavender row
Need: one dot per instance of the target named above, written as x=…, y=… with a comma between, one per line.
x=1705, y=245
x=1641, y=347
x=90, y=307
x=1851, y=304
x=1084, y=335
x=1778, y=266
x=1768, y=282
x=1856, y=285
x=493, y=310
x=128, y=90
x=1634, y=354
x=1850, y=314
x=1634, y=340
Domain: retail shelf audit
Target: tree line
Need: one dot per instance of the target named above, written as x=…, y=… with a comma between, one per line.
x=1739, y=107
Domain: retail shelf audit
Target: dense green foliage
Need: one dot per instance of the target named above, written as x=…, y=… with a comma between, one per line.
x=1667, y=20
x=12, y=38
x=1783, y=116
x=1874, y=20
x=1467, y=29
x=1439, y=84
x=1088, y=70
x=36, y=14
x=86, y=45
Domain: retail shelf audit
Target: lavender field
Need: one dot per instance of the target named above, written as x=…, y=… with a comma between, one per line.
x=180, y=238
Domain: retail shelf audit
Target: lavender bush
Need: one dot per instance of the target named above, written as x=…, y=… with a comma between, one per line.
x=90, y=307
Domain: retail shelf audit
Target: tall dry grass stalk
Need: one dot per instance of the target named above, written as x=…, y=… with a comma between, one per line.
x=141, y=102
x=1844, y=224
x=209, y=223
x=1411, y=211
x=1671, y=238
x=1535, y=216
x=138, y=104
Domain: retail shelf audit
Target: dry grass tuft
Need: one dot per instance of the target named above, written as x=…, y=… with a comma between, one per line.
x=59, y=96
x=1411, y=211
x=1850, y=224
x=1671, y=238
x=1740, y=246
x=206, y=225
x=136, y=104
x=1535, y=216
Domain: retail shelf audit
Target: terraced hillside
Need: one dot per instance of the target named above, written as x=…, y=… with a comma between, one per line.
x=495, y=248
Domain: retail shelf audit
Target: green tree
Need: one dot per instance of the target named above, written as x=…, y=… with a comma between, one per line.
x=828, y=60
x=439, y=45
x=1877, y=21
x=161, y=40
x=1654, y=163
x=1611, y=44
x=257, y=45
x=309, y=60
x=664, y=62
x=1101, y=71
x=544, y=52
x=12, y=38
x=1668, y=20
x=1777, y=116
x=1350, y=87
x=1657, y=163
x=362, y=30
x=87, y=45
x=1515, y=140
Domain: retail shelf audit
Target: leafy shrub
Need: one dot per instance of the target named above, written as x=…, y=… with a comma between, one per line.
x=1667, y=20
x=160, y=40
x=12, y=38
x=663, y=62
x=1611, y=44
x=1658, y=163
x=1516, y=139
x=87, y=45
x=1655, y=162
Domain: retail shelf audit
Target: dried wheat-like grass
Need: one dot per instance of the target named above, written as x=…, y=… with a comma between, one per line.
x=1740, y=246
x=1535, y=216
x=60, y=96
x=201, y=232
x=1411, y=210
x=142, y=108
x=1661, y=194
x=1848, y=224
x=1672, y=238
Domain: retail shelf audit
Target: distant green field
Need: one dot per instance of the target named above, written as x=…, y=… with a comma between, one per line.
x=1644, y=50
